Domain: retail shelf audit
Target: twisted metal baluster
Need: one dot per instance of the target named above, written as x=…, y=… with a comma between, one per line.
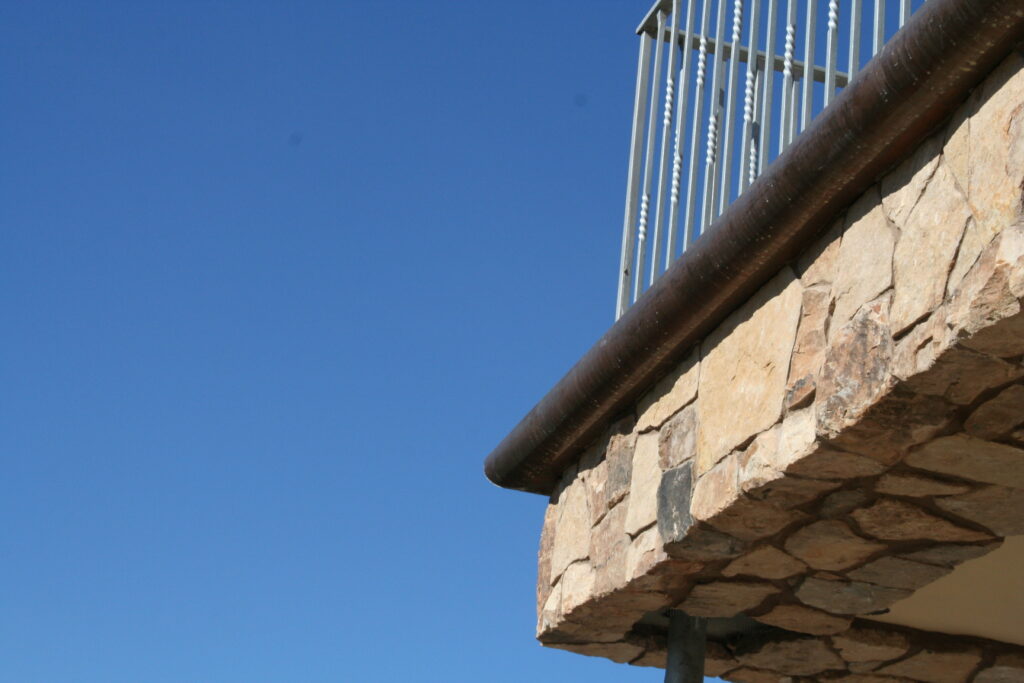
x=729, y=123
x=690, y=221
x=633, y=178
x=749, y=99
x=768, y=89
x=808, y=89
x=831, y=51
x=677, y=157
x=666, y=129
x=710, y=177
x=652, y=133
x=788, y=85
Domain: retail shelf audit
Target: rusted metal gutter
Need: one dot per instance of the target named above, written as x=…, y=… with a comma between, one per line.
x=918, y=79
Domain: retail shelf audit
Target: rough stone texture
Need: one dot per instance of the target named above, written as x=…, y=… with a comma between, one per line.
x=867, y=417
x=643, y=485
x=894, y=520
x=925, y=251
x=997, y=508
x=898, y=573
x=830, y=545
x=1007, y=668
x=765, y=562
x=965, y=456
x=677, y=442
x=939, y=667
x=865, y=258
x=726, y=598
x=996, y=419
x=918, y=486
x=746, y=362
x=871, y=645
x=802, y=619
x=847, y=597
x=670, y=395
x=801, y=657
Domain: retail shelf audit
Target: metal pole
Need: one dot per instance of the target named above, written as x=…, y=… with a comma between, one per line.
x=687, y=638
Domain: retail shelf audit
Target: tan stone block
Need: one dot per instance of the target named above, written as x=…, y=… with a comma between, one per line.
x=861, y=644
x=609, y=545
x=1008, y=668
x=793, y=657
x=829, y=463
x=957, y=148
x=919, y=348
x=572, y=534
x=643, y=484
x=961, y=375
x=617, y=652
x=902, y=188
x=577, y=585
x=951, y=555
x=997, y=508
x=937, y=667
x=895, y=520
x=970, y=458
x=817, y=265
x=716, y=489
x=547, y=542
x=744, y=370
x=550, y=615
x=856, y=373
x=926, y=249
x=997, y=147
x=989, y=294
x=830, y=545
x=917, y=486
x=997, y=418
x=811, y=341
x=972, y=244
x=619, y=459
x=677, y=440
x=865, y=258
x=847, y=597
x=800, y=619
x=898, y=573
x=670, y=395
x=772, y=454
x=842, y=502
x=644, y=553
x=766, y=562
x=593, y=469
x=726, y=598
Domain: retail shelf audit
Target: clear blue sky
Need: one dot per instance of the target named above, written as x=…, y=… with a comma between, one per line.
x=275, y=277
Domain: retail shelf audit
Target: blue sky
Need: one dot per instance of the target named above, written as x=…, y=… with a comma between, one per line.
x=276, y=276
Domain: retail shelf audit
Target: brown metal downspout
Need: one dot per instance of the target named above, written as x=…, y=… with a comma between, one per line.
x=916, y=81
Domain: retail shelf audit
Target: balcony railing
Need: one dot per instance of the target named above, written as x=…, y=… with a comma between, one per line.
x=706, y=132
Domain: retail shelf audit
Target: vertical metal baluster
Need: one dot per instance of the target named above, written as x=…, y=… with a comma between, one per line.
x=748, y=174
x=652, y=134
x=879, y=37
x=831, y=51
x=768, y=88
x=788, y=84
x=855, y=15
x=710, y=186
x=677, y=157
x=689, y=220
x=752, y=155
x=666, y=131
x=808, y=89
x=729, y=122
x=633, y=177
x=904, y=12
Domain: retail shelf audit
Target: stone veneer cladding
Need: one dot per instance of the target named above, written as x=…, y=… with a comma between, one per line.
x=850, y=434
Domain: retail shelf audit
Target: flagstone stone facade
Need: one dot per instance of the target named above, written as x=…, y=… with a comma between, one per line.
x=851, y=434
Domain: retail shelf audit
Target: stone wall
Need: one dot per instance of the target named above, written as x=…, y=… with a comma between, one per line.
x=850, y=434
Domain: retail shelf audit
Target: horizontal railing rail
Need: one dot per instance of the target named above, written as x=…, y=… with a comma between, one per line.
x=735, y=95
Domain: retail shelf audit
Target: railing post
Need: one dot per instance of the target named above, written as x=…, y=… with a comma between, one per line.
x=677, y=157
x=652, y=134
x=666, y=130
x=633, y=178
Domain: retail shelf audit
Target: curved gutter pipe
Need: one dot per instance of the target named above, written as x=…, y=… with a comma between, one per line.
x=918, y=79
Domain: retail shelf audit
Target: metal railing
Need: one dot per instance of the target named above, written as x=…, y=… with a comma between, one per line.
x=717, y=133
